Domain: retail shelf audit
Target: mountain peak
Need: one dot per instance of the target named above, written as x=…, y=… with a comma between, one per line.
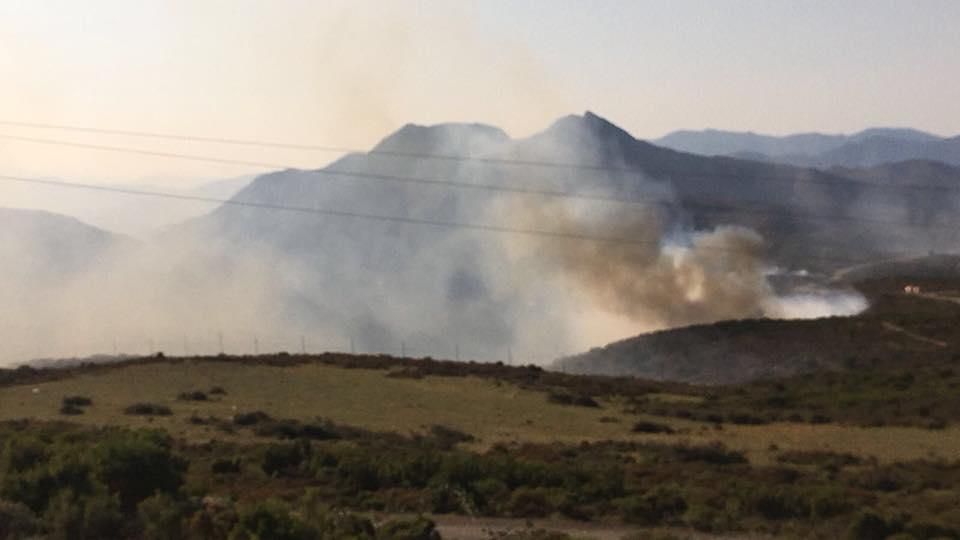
x=451, y=138
x=589, y=126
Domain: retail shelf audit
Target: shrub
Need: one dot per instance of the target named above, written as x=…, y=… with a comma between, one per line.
x=819, y=458
x=651, y=427
x=137, y=465
x=70, y=410
x=562, y=397
x=284, y=458
x=148, y=409
x=531, y=502
x=715, y=454
x=195, y=395
x=250, y=418
x=292, y=429
x=217, y=391
x=17, y=521
x=654, y=507
x=78, y=401
x=869, y=526
x=225, y=466
x=161, y=518
x=270, y=520
x=448, y=437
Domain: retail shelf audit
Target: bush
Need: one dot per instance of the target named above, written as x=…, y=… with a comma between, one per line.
x=714, y=454
x=869, y=526
x=17, y=521
x=657, y=506
x=148, y=409
x=73, y=405
x=449, y=437
x=225, y=466
x=285, y=458
x=651, y=427
x=250, y=418
x=195, y=395
x=531, y=502
x=292, y=429
x=161, y=518
x=819, y=458
x=137, y=465
x=70, y=410
x=270, y=521
x=567, y=398
x=217, y=391
x=78, y=401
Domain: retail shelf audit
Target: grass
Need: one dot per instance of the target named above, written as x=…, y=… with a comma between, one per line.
x=490, y=410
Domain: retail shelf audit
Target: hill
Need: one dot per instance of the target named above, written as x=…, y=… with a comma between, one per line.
x=471, y=446
x=898, y=330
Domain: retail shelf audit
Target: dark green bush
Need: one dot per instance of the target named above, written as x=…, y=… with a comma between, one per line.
x=651, y=427
x=78, y=401
x=285, y=459
x=17, y=521
x=148, y=409
x=162, y=517
x=563, y=397
x=660, y=505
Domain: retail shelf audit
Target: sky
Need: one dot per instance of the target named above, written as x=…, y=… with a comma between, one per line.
x=346, y=73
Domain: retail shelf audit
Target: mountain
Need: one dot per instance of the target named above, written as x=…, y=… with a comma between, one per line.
x=871, y=147
x=377, y=252
x=390, y=284
x=877, y=150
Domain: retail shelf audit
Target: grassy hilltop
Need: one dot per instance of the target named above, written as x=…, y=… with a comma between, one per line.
x=383, y=438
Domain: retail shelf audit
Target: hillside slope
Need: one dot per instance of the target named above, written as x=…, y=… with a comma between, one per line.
x=898, y=330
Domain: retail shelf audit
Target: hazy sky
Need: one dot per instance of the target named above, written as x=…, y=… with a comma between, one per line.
x=347, y=73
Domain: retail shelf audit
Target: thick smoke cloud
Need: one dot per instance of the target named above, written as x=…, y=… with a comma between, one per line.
x=265, y=279
x=659, y=280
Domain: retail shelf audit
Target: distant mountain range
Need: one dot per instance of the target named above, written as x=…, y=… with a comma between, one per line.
x=136, y=216
x=867, y=148
x=419, y=283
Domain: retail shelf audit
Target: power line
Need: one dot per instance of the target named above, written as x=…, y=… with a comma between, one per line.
x=780, y=212
x=481, y=227
x=662, y=171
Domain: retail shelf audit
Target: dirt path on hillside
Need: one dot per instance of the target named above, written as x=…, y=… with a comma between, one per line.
x=939, y=296
x=913, y=335
x=453, y=527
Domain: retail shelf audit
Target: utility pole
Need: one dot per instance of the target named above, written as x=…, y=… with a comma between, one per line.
x=115, y=347
x=220, y=337
x=353, y=349
x=303, y=345
x=457, y=352
x=509, y=357
x=186, y=346
x=256, y=345
x=403, y=349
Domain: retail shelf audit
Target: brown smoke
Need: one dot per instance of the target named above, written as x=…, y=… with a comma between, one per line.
x=716, y=275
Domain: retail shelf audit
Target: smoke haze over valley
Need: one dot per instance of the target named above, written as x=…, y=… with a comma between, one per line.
x=622, y=238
